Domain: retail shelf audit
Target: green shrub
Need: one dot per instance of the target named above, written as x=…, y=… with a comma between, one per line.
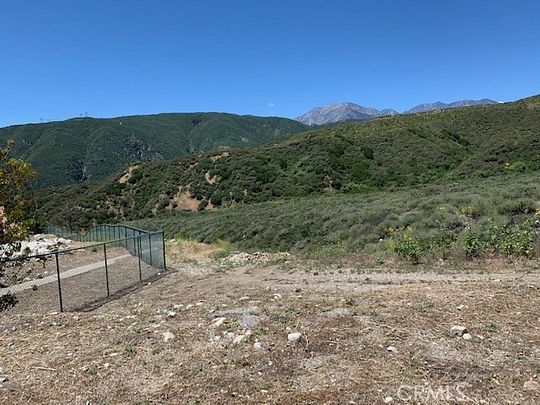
x=473, y=243
x=405, y=244
x=518, y=240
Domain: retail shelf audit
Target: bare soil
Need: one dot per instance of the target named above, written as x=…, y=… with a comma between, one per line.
x=367, y=337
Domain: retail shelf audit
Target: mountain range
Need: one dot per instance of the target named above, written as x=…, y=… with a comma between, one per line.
x=364, y=156
x=80, y=149
x=340, y=112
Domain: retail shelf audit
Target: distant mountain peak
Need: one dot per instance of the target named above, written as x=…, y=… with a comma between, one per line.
x=442, y=106
x=339, y=112
x=347, y=111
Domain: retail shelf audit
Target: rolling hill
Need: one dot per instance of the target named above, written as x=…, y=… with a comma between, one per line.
x=380, y=154
x=83, y=149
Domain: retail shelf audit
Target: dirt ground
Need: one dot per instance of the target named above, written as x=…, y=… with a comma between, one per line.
x=217, y=332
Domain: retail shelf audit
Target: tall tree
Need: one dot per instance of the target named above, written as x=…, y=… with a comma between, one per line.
x=15, y=174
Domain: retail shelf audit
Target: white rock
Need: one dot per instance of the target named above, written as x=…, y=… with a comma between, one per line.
x=467, y=336
x=171, y=314
x=238, y=339
x=218, y=322
x=531, y=386
x=391, y=349
x=460, y=307
x=257, y=345
x=387, y=400
x=458, y=330
x=294, y=337
x=246, y=298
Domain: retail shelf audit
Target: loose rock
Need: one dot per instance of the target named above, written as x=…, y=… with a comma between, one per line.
x=532, y=386
x=458, y=330
x=218, y=322
x=168, y=336
x=239, y=339
x=294, y=337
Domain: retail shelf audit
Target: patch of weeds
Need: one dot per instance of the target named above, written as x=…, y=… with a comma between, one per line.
x=92, y=370
x=198, y=369
x=129, y=351
x=140, y=326
x=261, y=331
x=231, y=326
x=285, y=315
x=225, y=247
x=351, y=302
x=265, y=386
x=424, y=306
x=188, y=260
x=372, y=314
x=492, y=326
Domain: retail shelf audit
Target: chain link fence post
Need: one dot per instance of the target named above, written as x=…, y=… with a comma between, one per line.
x=163, y=240
x=59, y=285
x=150, y=249
x=139, y=253
x=106, y=269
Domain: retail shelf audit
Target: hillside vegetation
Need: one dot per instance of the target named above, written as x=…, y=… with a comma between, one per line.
x=80, y=149
x=461, y=219
x=382, y=154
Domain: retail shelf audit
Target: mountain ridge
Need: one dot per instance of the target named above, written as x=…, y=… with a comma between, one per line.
x=356, y=157
x=348, y=111
x=85, y=148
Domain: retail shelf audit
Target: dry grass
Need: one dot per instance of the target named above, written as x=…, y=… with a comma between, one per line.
x=119, y=353
x=182, y=251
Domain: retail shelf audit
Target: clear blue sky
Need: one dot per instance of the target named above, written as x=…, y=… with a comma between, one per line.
x=59, y=59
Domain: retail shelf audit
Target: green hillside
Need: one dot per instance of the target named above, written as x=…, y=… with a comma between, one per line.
x=466, y=217
x=382, y=154
x=82, y=149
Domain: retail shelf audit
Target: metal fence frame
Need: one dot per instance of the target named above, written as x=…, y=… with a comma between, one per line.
x=137, y=242
x=118, y=234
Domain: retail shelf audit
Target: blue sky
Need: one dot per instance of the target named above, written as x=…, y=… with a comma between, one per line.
x=59, y=59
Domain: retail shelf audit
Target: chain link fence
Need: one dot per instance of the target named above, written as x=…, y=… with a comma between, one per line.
x=106, y=261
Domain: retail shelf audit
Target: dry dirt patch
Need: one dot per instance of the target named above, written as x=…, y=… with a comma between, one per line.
x=363, y=337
